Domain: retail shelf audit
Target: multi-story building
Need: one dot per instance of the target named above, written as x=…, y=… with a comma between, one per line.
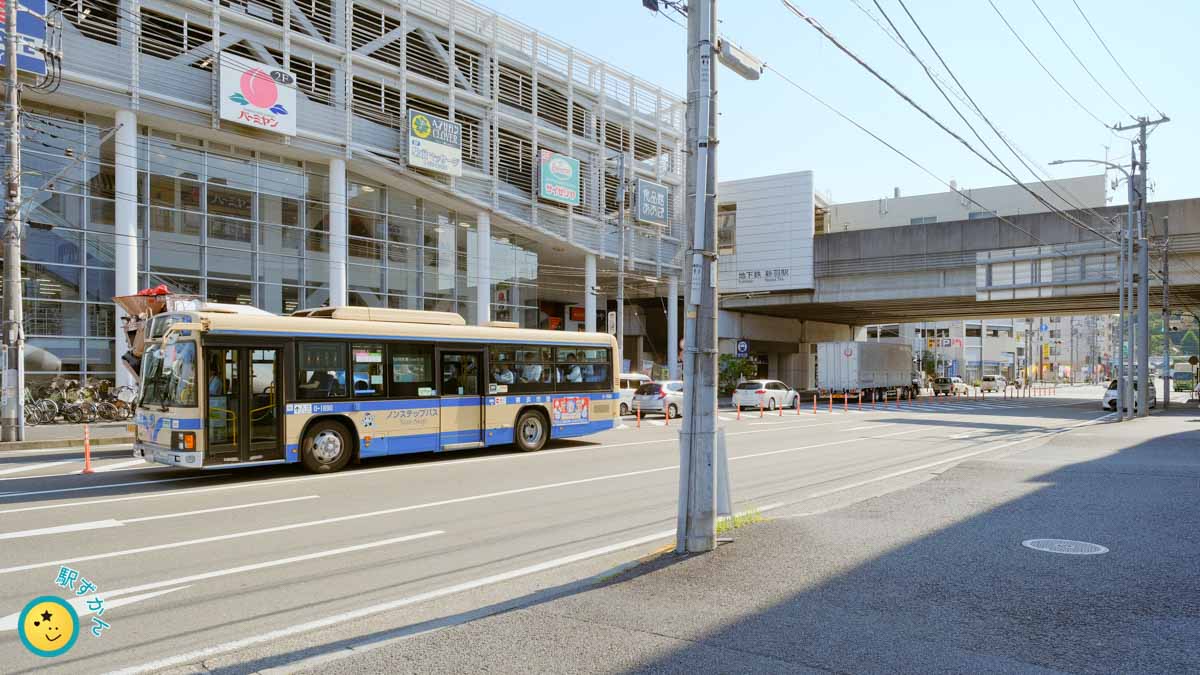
x=1072, y=348
x=290, y=155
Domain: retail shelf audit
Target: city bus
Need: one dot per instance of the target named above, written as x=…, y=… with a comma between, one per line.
x=329, y=386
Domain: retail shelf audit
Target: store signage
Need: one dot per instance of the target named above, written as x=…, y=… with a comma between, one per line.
x=434, y=143
x=31, y=35
x=257, y=95
x=652, y=200
x=558, y=178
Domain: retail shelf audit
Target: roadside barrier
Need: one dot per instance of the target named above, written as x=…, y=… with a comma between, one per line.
x=760, y=408
x=816, y=395
x=831, y=401
x=666, y=415
x=860, y=399
x=87, y=450
x=797, y=403
x=845, y=401
x=739, y=411
x=639, y=415
x=781, y=409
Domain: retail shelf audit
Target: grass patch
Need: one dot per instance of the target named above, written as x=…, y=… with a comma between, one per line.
x=748, y=517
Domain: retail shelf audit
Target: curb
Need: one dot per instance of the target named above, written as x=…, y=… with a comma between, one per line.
x=63, y=443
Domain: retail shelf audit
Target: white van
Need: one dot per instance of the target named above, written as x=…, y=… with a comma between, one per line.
x=993, y=383
x=628, y=385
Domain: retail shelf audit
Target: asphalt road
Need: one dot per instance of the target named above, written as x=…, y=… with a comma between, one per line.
x=245, y=570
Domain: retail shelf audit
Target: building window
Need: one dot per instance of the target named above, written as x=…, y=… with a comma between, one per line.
x=974, y=331
x=727, y=228
x=980, y=215
x=923, y=220
x=891, y=330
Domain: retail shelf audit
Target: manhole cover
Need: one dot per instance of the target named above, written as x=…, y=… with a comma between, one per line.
x=1064, y=546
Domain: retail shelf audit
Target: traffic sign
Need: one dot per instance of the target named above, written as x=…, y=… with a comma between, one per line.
x=743, y=348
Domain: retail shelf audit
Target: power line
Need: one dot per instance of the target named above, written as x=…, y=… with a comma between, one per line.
x=1080, y=61
x=1043, y=66
x=979, y=111
x=837, y=43
x=1114, y=58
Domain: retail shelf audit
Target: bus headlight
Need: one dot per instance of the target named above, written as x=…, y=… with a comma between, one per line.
x=183, y=440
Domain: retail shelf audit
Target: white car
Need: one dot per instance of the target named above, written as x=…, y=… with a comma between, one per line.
x=993, y=383
x=628, y=385
x=768, y=394
x=1110, y=396
x=660, y=397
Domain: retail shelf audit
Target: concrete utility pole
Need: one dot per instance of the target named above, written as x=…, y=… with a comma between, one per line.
x=621, y=259
x=12, y=418
x=1143, y=260
x=1167, y=374
x=696, y=531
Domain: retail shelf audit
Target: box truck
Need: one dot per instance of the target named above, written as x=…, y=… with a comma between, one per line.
x=874, y=368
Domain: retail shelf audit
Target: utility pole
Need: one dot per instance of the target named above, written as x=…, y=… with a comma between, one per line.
x=1143, y=259
x=12, y=418
x=696, y=530
x=1166, y=315
x=621, y=259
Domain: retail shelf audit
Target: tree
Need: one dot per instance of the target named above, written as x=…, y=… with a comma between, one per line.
x=732, y=370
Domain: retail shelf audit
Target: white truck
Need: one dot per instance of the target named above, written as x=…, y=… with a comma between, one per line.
x=877, y=369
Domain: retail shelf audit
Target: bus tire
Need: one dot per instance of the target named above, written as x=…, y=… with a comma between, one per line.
x=327, y=447
x=531, y=432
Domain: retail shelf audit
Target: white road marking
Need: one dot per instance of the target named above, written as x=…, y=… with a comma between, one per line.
x=10, y=495
x=130, y=462
x=34, y=467
x=81, y=607
x=10, y=622
x=200, y=654
x=108, y=523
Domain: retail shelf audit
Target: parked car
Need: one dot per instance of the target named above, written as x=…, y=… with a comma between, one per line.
x=1110, y=396
x=993, y=383
x=660, y=397
x=769, y=394
x=629, y=383
x=949, y=386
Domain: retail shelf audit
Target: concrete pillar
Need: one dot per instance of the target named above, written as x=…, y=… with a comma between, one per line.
x=589, y=293
x=337, y=233
x=483, y=268
x=126, y=226
x=673, y=326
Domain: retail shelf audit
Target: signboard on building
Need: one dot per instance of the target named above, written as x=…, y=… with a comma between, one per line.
x=766, y=233
x=257, y=95
x=434, y=143
x=743, y=348
x=558, y=178
x=31, y=35
x=652, y=202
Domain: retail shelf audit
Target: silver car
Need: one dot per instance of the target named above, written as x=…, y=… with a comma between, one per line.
x=660, y=397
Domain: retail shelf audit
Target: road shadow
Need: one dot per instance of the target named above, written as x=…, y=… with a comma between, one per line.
x=906, y=582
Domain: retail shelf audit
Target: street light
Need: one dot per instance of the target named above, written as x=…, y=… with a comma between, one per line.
x=1125, y=292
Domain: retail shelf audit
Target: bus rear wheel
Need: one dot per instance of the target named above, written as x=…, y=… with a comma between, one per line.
x=326, y=447
x=532, y=431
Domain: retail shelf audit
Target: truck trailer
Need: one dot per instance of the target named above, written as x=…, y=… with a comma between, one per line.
x=877, y=369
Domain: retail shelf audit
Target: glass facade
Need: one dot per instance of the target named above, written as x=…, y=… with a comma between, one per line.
x=234, y=226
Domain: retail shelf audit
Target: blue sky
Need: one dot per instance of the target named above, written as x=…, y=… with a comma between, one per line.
x=769, y=127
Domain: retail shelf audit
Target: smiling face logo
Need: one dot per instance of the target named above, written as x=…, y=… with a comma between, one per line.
x=48, y=626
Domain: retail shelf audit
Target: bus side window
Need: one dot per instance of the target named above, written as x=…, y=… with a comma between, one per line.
x=412, y=370
x=368, y=369
x=322, y=370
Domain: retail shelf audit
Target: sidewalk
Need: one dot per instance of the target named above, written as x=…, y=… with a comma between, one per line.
x=44, y=436
x=933, y=578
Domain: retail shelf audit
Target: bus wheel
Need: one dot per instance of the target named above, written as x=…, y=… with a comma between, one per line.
x=326, y=447
x=532, y=431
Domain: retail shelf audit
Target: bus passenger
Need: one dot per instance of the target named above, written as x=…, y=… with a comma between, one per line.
x=531, y=372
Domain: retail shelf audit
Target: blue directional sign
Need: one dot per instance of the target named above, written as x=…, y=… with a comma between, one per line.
x=1045, y=328
x=743, y=348
x=31, y=35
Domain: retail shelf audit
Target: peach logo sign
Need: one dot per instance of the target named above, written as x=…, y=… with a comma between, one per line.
x=257, y=95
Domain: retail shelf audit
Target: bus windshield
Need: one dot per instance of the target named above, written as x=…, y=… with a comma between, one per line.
x=169, y=375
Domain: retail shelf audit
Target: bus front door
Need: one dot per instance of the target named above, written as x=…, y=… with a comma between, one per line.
x=461, y=399
x=242, y=419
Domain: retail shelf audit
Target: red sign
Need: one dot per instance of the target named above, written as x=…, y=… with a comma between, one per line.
x=577, y=314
